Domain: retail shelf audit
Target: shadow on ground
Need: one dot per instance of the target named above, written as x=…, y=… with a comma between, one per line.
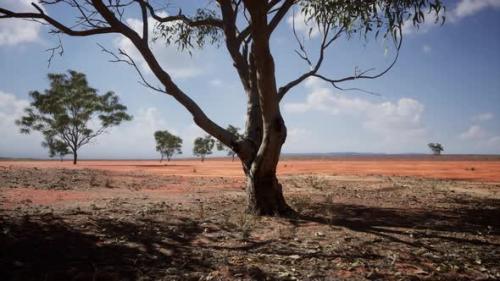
x=51, y=247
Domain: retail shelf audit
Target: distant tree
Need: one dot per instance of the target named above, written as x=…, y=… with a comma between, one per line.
x=63, y=113
x=167, y=144
x=436, y=148
x=203, y=146
x=56, y=148
x=221, y=146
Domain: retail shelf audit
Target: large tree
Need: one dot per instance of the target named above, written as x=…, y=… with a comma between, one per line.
x=167, y=144
x=244, y=28
x=64, y=112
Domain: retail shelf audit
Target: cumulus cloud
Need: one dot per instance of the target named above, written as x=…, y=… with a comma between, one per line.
x=402, y=117
x=481, y=137
x=179, y=65
x=474, y=132
x=478, y=134
x=467, y=8
x=135, y=139
x=464, y=8
x=12, y=143
x=16, y=31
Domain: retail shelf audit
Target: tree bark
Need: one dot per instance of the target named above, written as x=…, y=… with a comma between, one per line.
x=75, y=157
x=264, y=192
x=265, y=195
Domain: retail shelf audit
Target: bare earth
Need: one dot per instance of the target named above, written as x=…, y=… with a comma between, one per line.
x=360, y=218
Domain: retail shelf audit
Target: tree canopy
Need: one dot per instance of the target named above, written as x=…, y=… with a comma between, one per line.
x=167, y=144
x=203, y=146
x=436, y=148
x=63, y=113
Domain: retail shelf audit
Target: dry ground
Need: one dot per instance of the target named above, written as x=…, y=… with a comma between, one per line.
x=359, y=219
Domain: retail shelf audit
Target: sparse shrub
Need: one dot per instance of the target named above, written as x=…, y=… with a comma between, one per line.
x=245, y=224
x=316, y=182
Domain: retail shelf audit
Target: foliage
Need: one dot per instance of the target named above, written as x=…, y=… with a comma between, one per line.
x=64, y=113
x=203, y=146
x=167, y=144
x=436, y=148
x=234, y=131
x=56, y=147
x=379, y=16
x=187, y=37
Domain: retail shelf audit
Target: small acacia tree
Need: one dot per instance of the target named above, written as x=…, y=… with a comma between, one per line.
x=62, y=113
x=244, y=28
x=167, y=144
x=203, y=146
x=56, y=148
x=221, y=146
x=436, y=148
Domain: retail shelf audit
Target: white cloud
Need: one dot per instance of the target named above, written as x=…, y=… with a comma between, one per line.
x=178, y=64
x=384, y=118
x=483, y=117
x=470, y=7
x=480, y=136
x=135, y=139
x=12, y=142
x=308, y=28
x=464, y=8
x=474, y=132
x=15, y=31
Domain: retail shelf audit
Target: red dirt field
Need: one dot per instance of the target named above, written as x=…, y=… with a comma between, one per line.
x=358, y=218
x=475, y=168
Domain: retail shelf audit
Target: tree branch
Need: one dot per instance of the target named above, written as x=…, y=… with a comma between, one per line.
x=4, y=13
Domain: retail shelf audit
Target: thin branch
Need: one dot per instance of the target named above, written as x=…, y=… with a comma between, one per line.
x=4, y=13
x=128, y=60
x=210, y=21
x=57, y=49
x=314, y=72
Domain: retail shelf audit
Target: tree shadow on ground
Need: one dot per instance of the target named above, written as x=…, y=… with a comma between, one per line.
x=471, y=216
x=48, y=248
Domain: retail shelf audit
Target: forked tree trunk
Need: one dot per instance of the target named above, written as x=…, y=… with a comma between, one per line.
x=264, y=192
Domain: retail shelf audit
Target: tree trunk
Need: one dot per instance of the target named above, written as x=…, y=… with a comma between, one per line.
x=264, y=192
x=202, y=158
x=75, y=157
x=265, y=196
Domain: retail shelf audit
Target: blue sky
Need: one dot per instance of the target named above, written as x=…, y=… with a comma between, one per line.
x=444, y=88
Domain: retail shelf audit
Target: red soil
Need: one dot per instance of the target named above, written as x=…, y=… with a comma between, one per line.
x=458, y=168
